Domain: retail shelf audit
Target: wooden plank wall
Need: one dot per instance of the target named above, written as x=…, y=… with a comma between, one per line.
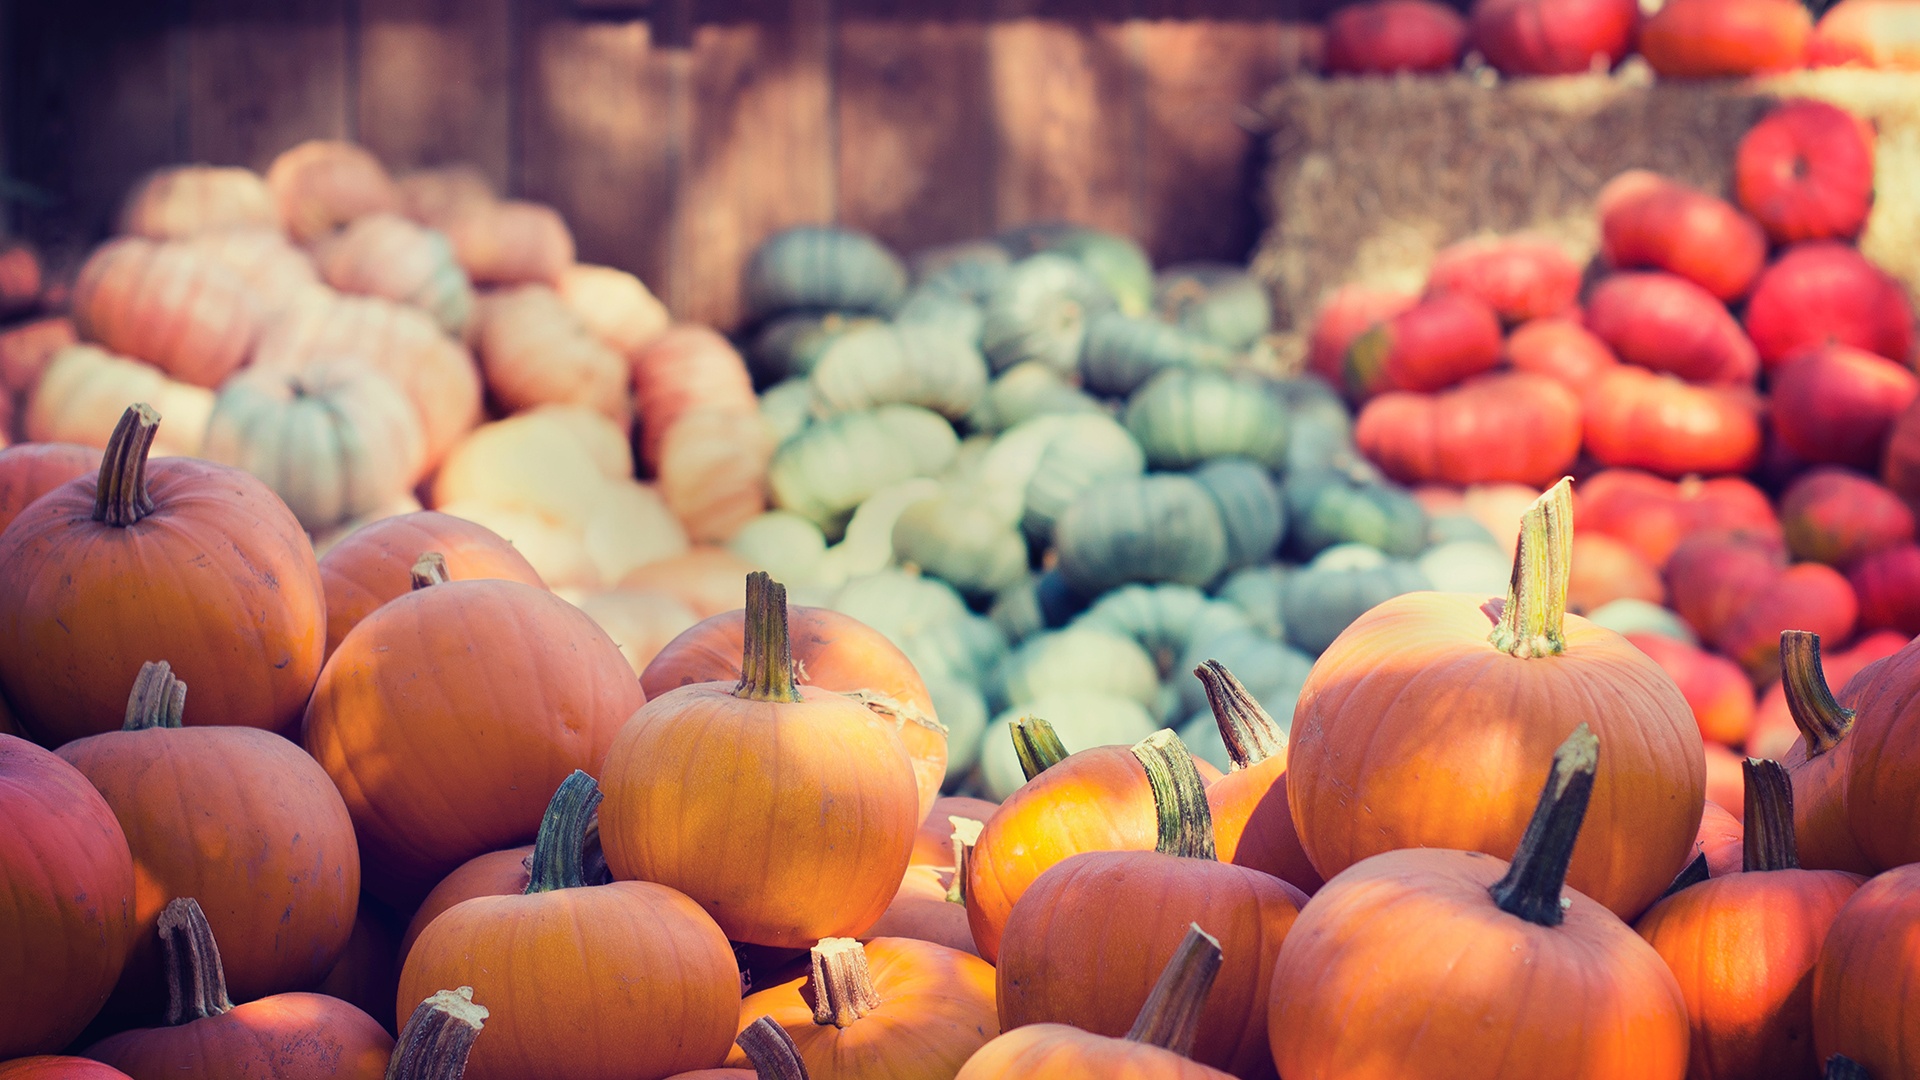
x=675, y=134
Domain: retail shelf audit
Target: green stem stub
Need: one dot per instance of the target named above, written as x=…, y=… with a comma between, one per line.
x=560, y=849
x=1532, y=622
x=1036, y=744
x=766, y=663
x=1184, y=823
x=159, y=700
x=771, y=1050
x=121, y=498
x=196, y=983
x=1531, y=888
x=1249, y=732
x=1769, y=838
x=1822, y=721
x=438, y=1037
x=1170, y=1018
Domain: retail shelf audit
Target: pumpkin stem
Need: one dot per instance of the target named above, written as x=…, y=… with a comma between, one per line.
x=1694, y=874
x=1769, y=839
x=771, y=1050
x=1185, y=824
x=437, y=1038
x=766, y=667
x=1822, y=721
x=121, y=497
x=1531, y=889
x=966, y=833
x=1532, y=621
x=560, y=849
x=429, y=569
x=158, y=700
x=1170, y=1018
x=842, y=986
x=1037, y=745
x=196, y=983
x=1842, y=1067
x=1250, y=734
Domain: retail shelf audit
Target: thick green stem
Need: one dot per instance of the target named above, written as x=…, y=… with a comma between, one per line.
x=1822, y=721
x=966, y=833
x=1842, y=1067
x=1036, y=745
x=1184, y=824
x=438, y=1037
x=1531, y=888
x=196, y=983
x=1250, y=734
x=159, y=700
x=560, y=849
x=429, y=569
x=842, y=987
x=1532, y=622
x=1170, y=1018
x=771, y=1050
x=121, y=498
x=766, y=664
x=1769, y=836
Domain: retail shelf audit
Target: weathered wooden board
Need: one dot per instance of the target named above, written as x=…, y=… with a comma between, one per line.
x=436, y=83
x=262, y=78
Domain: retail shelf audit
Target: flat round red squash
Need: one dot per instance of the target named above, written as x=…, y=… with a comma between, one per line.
x=1666, y=323
x=1638, y=419
x=1650, y=221
x=1805, y=171
x=1838, y=404
x=1825, y=291
x=1508, y=427
x=1385, y=36
x=1554, y=37
x=1520, y=277
x=1711, y=39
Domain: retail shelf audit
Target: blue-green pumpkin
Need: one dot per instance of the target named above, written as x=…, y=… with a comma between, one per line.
x=1257, y=591
x=1039, y=312
x=1319, y=425
x=1322, y=598
x=1088, y=450
x=792, y=344
x=968, y=270
x=1217, y=301
x=1123, y=351
x=1117, y=262
x=822, y=268
x=1469, y=566
x=1631, y=615
x=785, y=408
x=1025, y=391
x=1078, y=659
x=1328, y=506
x=956, y=316
x=832, y=466
x=1183, y=417
x=1250, y=508
x=1159, y=617
x=1458, y=528
x=963, y=709
x=1159, y=527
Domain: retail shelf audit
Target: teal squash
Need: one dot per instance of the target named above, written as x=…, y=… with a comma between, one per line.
x=1123, y=351
x=1082, y=720
x=1044, y=601
x=1468, y=566
x=1183, y=417
x=832, y=466
x=1218, y=301
x=900, y=363
x=1159, y=618
x=1116, y=262
x=962, y=539
x=1250, y=508
x=1025, y=391
x=1631, y=615
x=1159, y=527
x=1257, y=591
x=1272, y=671
x=785, y=409
x=1328, y=506
x=963, y=710
x=783, y=543
x=956, y=316
x=1319, y=425
x=1339, y=586
x=1039, y=312
x=1087, y=450
x=822, y=268
x=1079, y=659
x=1458, y=528
x=969, y=269
x=793, y=344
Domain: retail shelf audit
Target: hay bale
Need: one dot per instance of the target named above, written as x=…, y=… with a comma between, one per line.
x=1369, y=177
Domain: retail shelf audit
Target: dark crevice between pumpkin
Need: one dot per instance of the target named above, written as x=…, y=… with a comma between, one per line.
x=159, y=700
x=1842, y=1067
x=1183, y=822
x=1822, y=721
x=1170, y=1018
x=121, y=498
x=1532, y=620
x=771, y=1050
x=1695, y=873
x=196, y=983
x=437, y=1038
x=1531, y=888
x=1769, y=838
x=766, y=662
x=1249, y=732
x=840, y=987
x=568, y=829
x=966, y=833
x=1036, y=744
x=429, y=569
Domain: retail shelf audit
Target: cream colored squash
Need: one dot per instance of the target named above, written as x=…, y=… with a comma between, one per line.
x=616, y=306
x=630, y=527
x=85, y=388
x=640, y=621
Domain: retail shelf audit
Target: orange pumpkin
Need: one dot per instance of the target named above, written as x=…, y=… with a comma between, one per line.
x=1252, y=825
x=30, y=471
x=297, y=1036
x=707, y=579
x=833, y=652
x=768, y=1046
x=1750, y=1008
x=1510, y=427
x=387, y=255
x=1726, y=783
x=438, y=1038
x=1637, y=419
x=497, y=873
x=713, y=472
x=375, y=564
x=933, y=843
x=1709, y=39
x=891, y=1009
x=686, y=369
x=276, y=272
x=58, y=1067
x=368, y=972
x=187, y=200
x=818, y=783
x=534, y=351
x=658, y=989
x=510, y=242
x=1865, y=1003
x=407, y=727
x=322, y=184
x=929, y=907
x=1883, y=776
x=1721, y=843
x=1448, y=702
x=1648, y=220
x=66, y=900
x=1817, y=761
x=1774, y=727
x=234, y=816
x=182, y=560
x=613, y=304
x=168, y=304
x=1416, y=950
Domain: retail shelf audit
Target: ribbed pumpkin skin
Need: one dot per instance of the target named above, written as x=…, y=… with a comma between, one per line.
x=1805, y=171
x=1653, y=515
x=534, y=351
x=1220, y=302
x=1444, y=714
x=84, y=389
x=169, y=305
x=1161, y=527
x=1060, y=1052
x=1062, y=962
x=297, y=1036
x=1319, y=602
x=188, y=200
x=1383, y=36
x=31, y=470
x=822, y=268
x=712, y=472
x=388, y=255
x=57, y=1067
x=1637, y=419
x=66, y=900
x=247, y=824
x=1251, y=513
x=1845, y=403
x=688, y=369
x=219, y=580
x=1122, y=352
x=1502, y=428
x=1647, y=220
x=1709, y=39
x=1666, y=323
x=276, y=272
x=322, y=184
x=497, y=873
x=1185, y=417
x=658, y=990
x=1825, y=291
x=1519, y=277
x=1402, y=968
x=406, y=726
x=510, y=242
x=1864, y=1002
x=1884, y=773
x=1039, y=312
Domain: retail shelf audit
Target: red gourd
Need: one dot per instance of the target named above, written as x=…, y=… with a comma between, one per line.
x=1835, y=517
x=1805, y=172
x=1838, y=404
x=1635, y=418
x=1561, y=349
x=1384, y=36
x=1348, y=312
x=1512, y=427
x=1710, y=39
x=1822, y=292
x=1808, y=596
x=1648, y=220
x=1664, y=322
x=1520, y=277
x=1714, y=574
x=1715, y=688
x=1554, y=37
x=1655, y=515
x=1900, y=465
x=1430, y=346
x=1887, y=583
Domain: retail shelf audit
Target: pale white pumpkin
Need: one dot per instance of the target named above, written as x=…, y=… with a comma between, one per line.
x=85, y=388
x=616, y=306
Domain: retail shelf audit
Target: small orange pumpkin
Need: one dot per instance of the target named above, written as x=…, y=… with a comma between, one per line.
x=387, y=255
x=930, y=906
x=535, y=351
x=1865, y=1003
x=497, y=873
x=1252, y=825
x=510, y=242
x=27, y=349
x=168, y=304
x=322, y=184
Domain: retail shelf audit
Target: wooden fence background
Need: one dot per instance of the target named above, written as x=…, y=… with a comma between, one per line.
x=675, y=134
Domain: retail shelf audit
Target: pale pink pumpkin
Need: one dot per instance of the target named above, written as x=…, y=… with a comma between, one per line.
x=387, y=255
x=168, y=304
x=535, y=351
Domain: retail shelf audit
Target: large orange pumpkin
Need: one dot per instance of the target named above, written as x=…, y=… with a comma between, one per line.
x=1774, y=727
x=66, y=900
x=187, y=561
x=1451, y=704
x=1883, y=775
x=1252, y=825
x=31, y=470
x=168, y=304
x=497, y=873
x=1817, y=761
x=1865, y=1002
x=813, y=780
